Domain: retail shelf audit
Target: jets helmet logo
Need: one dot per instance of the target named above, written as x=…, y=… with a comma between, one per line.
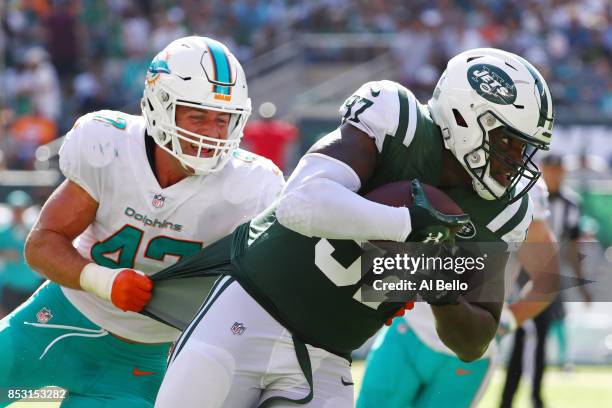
x=492, y=83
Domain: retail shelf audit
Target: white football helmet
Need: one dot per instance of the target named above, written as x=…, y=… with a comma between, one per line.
x=202, y=73
x=486, y=89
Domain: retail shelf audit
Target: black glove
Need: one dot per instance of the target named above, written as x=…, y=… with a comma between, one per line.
x=427, y=222
x=436, y=234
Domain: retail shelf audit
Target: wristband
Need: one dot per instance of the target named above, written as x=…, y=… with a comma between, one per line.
x=98, y=280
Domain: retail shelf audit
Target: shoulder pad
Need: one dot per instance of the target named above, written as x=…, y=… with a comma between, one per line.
x=255, y=161
x=91, y=145
x=252, y=178
x=381, y=109
x=107, y=118
x=95, y=136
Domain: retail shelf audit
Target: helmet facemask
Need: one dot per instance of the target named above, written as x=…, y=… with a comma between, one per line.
x=491, y=161
x=187, y=78
x=483, y=97
x=212, y=152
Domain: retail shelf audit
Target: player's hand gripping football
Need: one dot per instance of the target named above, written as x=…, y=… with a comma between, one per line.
x=436, y=231
x=127, y=289
x=429, y=224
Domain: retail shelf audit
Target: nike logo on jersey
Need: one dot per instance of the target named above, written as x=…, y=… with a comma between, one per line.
x=344, y=382
x=139, y=373
x=374, y=92
x=119, y=123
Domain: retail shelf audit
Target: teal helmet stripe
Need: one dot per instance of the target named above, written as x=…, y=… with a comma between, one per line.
x=545, y=111
x=221, y=65
x=158, y=66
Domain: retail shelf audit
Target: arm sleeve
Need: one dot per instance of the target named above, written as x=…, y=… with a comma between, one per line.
x=320, y=200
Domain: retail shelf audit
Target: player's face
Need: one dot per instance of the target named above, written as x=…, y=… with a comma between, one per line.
x=203, y=122
x=504, y=168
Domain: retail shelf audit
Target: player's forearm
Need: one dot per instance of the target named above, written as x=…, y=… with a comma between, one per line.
x=323, y=208
x=467, y=329
x=52, y=255
x=320, y=200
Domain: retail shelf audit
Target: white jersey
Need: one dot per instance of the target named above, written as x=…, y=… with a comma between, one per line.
x=421, y=319
x=140, y=225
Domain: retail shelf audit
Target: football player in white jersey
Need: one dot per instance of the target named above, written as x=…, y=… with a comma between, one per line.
x=141, y=192
x=409, y=366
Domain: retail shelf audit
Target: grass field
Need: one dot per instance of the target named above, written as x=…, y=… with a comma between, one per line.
x=585, y=387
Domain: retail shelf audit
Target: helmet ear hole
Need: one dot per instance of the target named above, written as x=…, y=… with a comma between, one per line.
x=459, y=118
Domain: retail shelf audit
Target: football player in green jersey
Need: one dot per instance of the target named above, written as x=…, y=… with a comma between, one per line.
x=281, y=323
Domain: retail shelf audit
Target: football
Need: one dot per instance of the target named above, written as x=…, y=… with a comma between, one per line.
x=399, y=194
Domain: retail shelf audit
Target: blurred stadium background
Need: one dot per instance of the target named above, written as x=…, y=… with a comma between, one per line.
x=61, y=59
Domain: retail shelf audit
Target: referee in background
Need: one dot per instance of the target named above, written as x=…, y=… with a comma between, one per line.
x=564, y=222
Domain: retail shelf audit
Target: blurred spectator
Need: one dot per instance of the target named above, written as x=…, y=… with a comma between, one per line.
x=583, y=170
x=90, y=92
x=17, y=280
x=136, y=30
x=168, y=29
x=25, y=135
x=61, y=36
x=269, y=137
x=39, y=83
x=6, y=119
x=101, y=47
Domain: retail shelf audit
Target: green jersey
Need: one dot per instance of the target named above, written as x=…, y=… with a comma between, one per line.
x=312, y=285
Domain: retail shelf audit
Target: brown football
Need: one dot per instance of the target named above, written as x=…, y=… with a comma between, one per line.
x=399, y=194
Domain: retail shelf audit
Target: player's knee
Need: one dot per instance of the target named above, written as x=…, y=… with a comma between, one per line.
x=200, y=376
